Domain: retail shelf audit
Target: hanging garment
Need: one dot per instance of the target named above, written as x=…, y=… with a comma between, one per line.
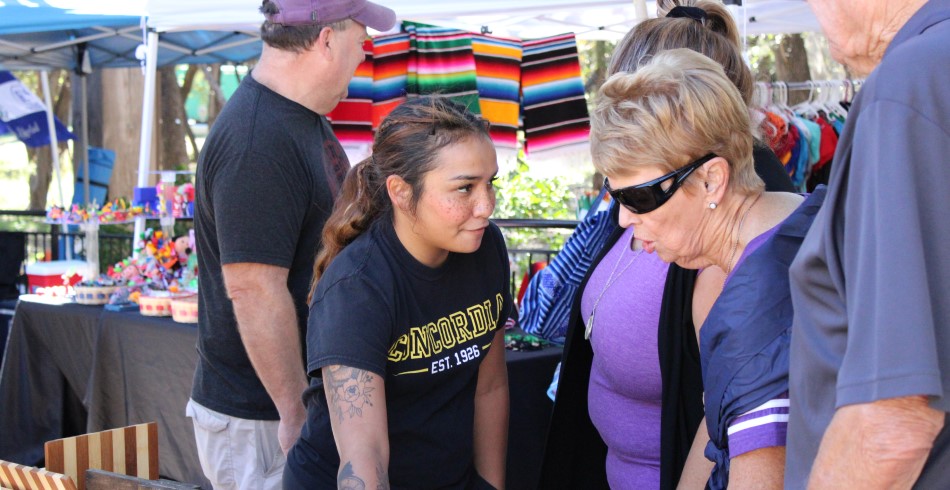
x=351, y=119
x=441, y=61
x=498, y=76
x=555, y=109
x=390, y=72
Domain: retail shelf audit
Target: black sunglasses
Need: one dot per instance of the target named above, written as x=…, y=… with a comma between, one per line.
x=643, y=198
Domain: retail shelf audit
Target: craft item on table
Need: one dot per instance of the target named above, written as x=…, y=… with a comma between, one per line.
x=187, y=267
x=95, y=291
x=185, y=200
x=155, y=305
x=555, y=109
x=116, y=211
x=185, y=310
x=54, y=278
x=441, y=62
x=124, y=298
x=125, y=306
x=498, y=77
x=175, y=201
x=159, y=303
x=161, y=266
x=524, y=342
x=145, y=196
x=75, y=214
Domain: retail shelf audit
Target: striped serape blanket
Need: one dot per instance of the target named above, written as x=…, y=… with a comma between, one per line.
x=555, y=110
x=352, y=118
x=441, y=62
x=390, y=72
x=498, y=74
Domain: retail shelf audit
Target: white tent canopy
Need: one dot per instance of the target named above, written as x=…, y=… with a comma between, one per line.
x=592, y=19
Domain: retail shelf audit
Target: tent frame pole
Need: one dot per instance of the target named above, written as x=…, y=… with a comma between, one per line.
x=54, y=146
x=148, y=117
x=84, y=143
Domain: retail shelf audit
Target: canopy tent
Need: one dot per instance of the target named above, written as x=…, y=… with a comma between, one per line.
x=526, y=19
x=52, y=34
x=55, y=33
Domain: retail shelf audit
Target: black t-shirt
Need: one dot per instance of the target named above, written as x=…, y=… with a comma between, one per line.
x=265, y=185
x=425, y=331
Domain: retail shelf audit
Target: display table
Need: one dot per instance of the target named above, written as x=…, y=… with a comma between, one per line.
x=71, y=369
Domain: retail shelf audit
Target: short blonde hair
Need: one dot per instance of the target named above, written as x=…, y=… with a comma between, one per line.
x=674, y=109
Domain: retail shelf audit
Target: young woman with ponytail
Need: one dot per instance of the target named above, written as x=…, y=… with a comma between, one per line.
x=405, y=339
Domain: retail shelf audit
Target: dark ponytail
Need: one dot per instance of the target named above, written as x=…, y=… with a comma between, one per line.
x=406, y=144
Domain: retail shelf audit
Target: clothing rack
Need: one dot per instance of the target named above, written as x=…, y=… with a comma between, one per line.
x=769, y=92
x=815, y=84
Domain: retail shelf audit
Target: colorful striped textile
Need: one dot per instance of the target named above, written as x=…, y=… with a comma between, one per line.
x=390, y=72
x=18, y=477
x=498, y=75
x=352, y=118
x=555, y=110
x=131, y=450
x=441, y=62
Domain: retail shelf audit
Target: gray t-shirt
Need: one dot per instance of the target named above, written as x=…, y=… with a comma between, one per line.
x=871, y=282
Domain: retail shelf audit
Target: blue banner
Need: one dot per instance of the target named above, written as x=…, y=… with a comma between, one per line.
x=22, y=113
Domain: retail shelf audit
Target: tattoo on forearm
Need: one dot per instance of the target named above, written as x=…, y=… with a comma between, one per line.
x=382, y=478
x=347, y=390
x=346, y=480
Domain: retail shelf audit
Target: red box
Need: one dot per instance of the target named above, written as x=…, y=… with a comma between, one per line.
x=46, y=274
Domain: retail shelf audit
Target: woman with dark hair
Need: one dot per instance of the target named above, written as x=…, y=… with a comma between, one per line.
x=629, y=403
x=405, y=340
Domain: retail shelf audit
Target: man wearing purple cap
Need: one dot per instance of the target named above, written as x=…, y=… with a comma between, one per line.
x=267, y=178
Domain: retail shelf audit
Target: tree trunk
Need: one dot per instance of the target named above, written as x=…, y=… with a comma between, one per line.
x=41, y=178
x=791, y=64
x=215, y=94
x=123, y=90
x=173, y=154
x=598, y=67
x=42, y=157
x=185, y=91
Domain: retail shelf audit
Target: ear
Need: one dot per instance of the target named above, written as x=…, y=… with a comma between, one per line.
x=324, y=42
x=716, y=177
x=400, y=193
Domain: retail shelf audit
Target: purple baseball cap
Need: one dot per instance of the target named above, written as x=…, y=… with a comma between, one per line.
x=306, y=12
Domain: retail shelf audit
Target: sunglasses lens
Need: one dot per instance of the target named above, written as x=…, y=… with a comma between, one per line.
x=639, y=200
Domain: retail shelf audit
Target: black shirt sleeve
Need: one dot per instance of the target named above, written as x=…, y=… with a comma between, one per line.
x=351, y=325
x=249, y=231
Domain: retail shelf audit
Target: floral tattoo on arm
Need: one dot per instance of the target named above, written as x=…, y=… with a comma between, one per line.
x=347, y=480
x=347, y=390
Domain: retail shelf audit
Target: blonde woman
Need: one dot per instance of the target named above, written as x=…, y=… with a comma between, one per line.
x=674, y=141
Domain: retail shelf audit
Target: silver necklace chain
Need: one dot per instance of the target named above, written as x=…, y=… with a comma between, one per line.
x=735, y=246
x=610, y=280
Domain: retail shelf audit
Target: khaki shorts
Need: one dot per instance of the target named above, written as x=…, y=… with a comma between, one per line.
x=237, y=453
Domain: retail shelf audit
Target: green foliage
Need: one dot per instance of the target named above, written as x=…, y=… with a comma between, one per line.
x=522, y=196
x=761, y=55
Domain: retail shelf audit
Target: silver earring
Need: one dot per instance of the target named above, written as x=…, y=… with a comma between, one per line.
x=712, y=205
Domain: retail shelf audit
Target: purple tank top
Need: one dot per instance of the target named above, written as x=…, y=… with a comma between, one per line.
x=625, y=388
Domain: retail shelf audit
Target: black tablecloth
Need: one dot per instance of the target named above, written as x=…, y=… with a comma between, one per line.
x=71, y=369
